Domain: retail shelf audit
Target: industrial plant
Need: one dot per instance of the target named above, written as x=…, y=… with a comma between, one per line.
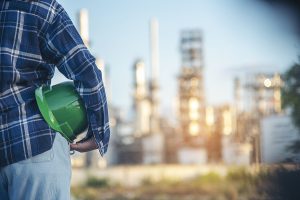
x=236, y=133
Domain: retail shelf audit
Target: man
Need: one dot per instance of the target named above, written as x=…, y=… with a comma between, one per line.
x=35, y=37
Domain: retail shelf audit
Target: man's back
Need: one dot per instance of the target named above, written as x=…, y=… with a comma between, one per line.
x=35, y=37
x=23, y=69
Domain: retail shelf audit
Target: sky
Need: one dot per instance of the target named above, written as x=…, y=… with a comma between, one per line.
x=240, y=37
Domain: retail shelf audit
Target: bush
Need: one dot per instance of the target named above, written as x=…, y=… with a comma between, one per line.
x=240, y=174
x=210, y=179
x=280, y=184
x=97, y=183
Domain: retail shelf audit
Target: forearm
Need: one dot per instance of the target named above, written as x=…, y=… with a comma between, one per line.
x=92, y=91
x=63, y=46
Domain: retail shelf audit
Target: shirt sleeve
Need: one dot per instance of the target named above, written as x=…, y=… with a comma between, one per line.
x=63, y=47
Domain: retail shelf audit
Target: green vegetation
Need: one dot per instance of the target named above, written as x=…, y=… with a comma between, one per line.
x=291, y=98
x=97, y=183
x=280, y=183
x=238, y=184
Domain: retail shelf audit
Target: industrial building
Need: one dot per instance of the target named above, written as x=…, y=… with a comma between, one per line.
x=191, y=97
x=191, y=88
x=145, y=144
x=256, y=99
x=228, y=133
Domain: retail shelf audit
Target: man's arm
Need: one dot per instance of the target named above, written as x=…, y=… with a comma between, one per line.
x=63, y=46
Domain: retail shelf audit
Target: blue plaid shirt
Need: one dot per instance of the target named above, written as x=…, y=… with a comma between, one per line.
x=35, y=38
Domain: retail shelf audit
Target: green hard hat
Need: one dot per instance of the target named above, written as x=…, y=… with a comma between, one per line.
x=62, y=108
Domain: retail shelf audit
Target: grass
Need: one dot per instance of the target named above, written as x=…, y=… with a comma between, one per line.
x=239, y=184
x=97, y=183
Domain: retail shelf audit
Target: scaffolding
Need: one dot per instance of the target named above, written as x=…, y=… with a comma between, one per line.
x=191, y=88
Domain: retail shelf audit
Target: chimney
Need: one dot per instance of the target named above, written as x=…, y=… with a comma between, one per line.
x=84, y=26
x=154, y=50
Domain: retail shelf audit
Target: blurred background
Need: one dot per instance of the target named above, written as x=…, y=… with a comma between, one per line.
x=204, y=99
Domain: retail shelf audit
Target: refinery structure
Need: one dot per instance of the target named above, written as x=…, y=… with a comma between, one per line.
x=230, y=133
x=191, y=88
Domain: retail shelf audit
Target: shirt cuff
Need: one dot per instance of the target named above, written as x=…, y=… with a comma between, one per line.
x=100, y=132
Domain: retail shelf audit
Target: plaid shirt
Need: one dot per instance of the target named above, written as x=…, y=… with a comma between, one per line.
x=36, y=37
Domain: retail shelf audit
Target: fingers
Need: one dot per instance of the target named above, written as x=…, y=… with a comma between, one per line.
x=85, y=146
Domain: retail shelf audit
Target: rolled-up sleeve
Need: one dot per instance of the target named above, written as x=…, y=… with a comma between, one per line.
x=63, y=47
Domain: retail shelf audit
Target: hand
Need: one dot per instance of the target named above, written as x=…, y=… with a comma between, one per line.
x=84, y=146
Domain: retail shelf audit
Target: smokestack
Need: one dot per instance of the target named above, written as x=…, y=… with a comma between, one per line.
x=84, y=26
x=140, y=78
x=154, y=50
x=237, y=94
x=101, y=65
x=108, y=83
x=154, y=87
